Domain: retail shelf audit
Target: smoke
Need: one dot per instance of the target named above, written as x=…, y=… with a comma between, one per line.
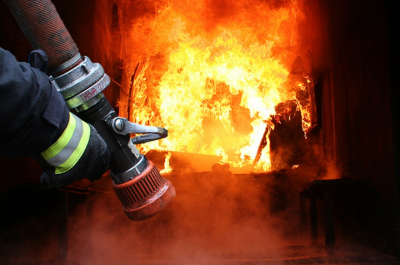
x=214, y=219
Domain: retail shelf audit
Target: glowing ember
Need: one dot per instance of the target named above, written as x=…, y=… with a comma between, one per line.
x=213, y=81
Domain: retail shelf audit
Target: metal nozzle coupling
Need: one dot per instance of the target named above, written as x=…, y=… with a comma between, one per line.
x=81, y=85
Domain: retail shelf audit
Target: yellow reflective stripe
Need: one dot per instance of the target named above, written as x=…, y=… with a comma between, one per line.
x=78, y=152
x=64, y=139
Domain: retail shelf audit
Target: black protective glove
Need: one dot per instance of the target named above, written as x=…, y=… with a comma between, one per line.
x=91, y=165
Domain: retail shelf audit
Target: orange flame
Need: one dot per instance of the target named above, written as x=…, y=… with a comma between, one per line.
x=216, y=85
x=167, y=168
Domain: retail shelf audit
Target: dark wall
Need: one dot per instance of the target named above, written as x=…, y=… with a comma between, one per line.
x=357, y=106
x=393, y=20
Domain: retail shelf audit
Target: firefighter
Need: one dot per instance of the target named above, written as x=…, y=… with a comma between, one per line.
x=35, y=121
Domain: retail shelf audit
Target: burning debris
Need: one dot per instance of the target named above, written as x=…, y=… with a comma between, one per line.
x=214, y=79
x=287, y=138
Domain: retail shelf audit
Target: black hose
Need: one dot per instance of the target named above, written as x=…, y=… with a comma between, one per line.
x=41, y=24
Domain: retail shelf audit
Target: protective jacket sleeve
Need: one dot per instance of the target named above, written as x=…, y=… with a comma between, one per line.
x=33, y=114
x=35, y=121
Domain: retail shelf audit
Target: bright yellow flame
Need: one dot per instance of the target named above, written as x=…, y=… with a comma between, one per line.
x=218, y=89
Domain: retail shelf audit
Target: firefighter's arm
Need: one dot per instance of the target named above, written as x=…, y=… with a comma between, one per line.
x=34, y=121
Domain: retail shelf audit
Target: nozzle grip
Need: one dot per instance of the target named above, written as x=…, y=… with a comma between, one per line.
x=123, y=126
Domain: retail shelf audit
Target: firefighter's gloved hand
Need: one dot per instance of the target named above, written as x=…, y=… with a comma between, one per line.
x=79, y=153
x=35, y=121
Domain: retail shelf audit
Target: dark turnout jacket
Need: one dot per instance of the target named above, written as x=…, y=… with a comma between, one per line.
x=33, y=114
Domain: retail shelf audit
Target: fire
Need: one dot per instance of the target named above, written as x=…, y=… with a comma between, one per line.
x=216, y=85
x=167, y=167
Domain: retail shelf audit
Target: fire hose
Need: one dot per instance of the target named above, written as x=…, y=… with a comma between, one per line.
x=137, y=183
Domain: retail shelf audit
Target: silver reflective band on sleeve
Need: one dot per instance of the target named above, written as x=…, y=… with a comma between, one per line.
x=68, y=149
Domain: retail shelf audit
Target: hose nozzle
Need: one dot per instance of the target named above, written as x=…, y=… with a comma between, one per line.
x=145, y=195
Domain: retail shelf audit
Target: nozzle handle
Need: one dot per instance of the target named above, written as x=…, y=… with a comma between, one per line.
x=123, y=126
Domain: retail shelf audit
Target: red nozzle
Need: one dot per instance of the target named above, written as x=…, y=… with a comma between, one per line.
x=145, y=195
